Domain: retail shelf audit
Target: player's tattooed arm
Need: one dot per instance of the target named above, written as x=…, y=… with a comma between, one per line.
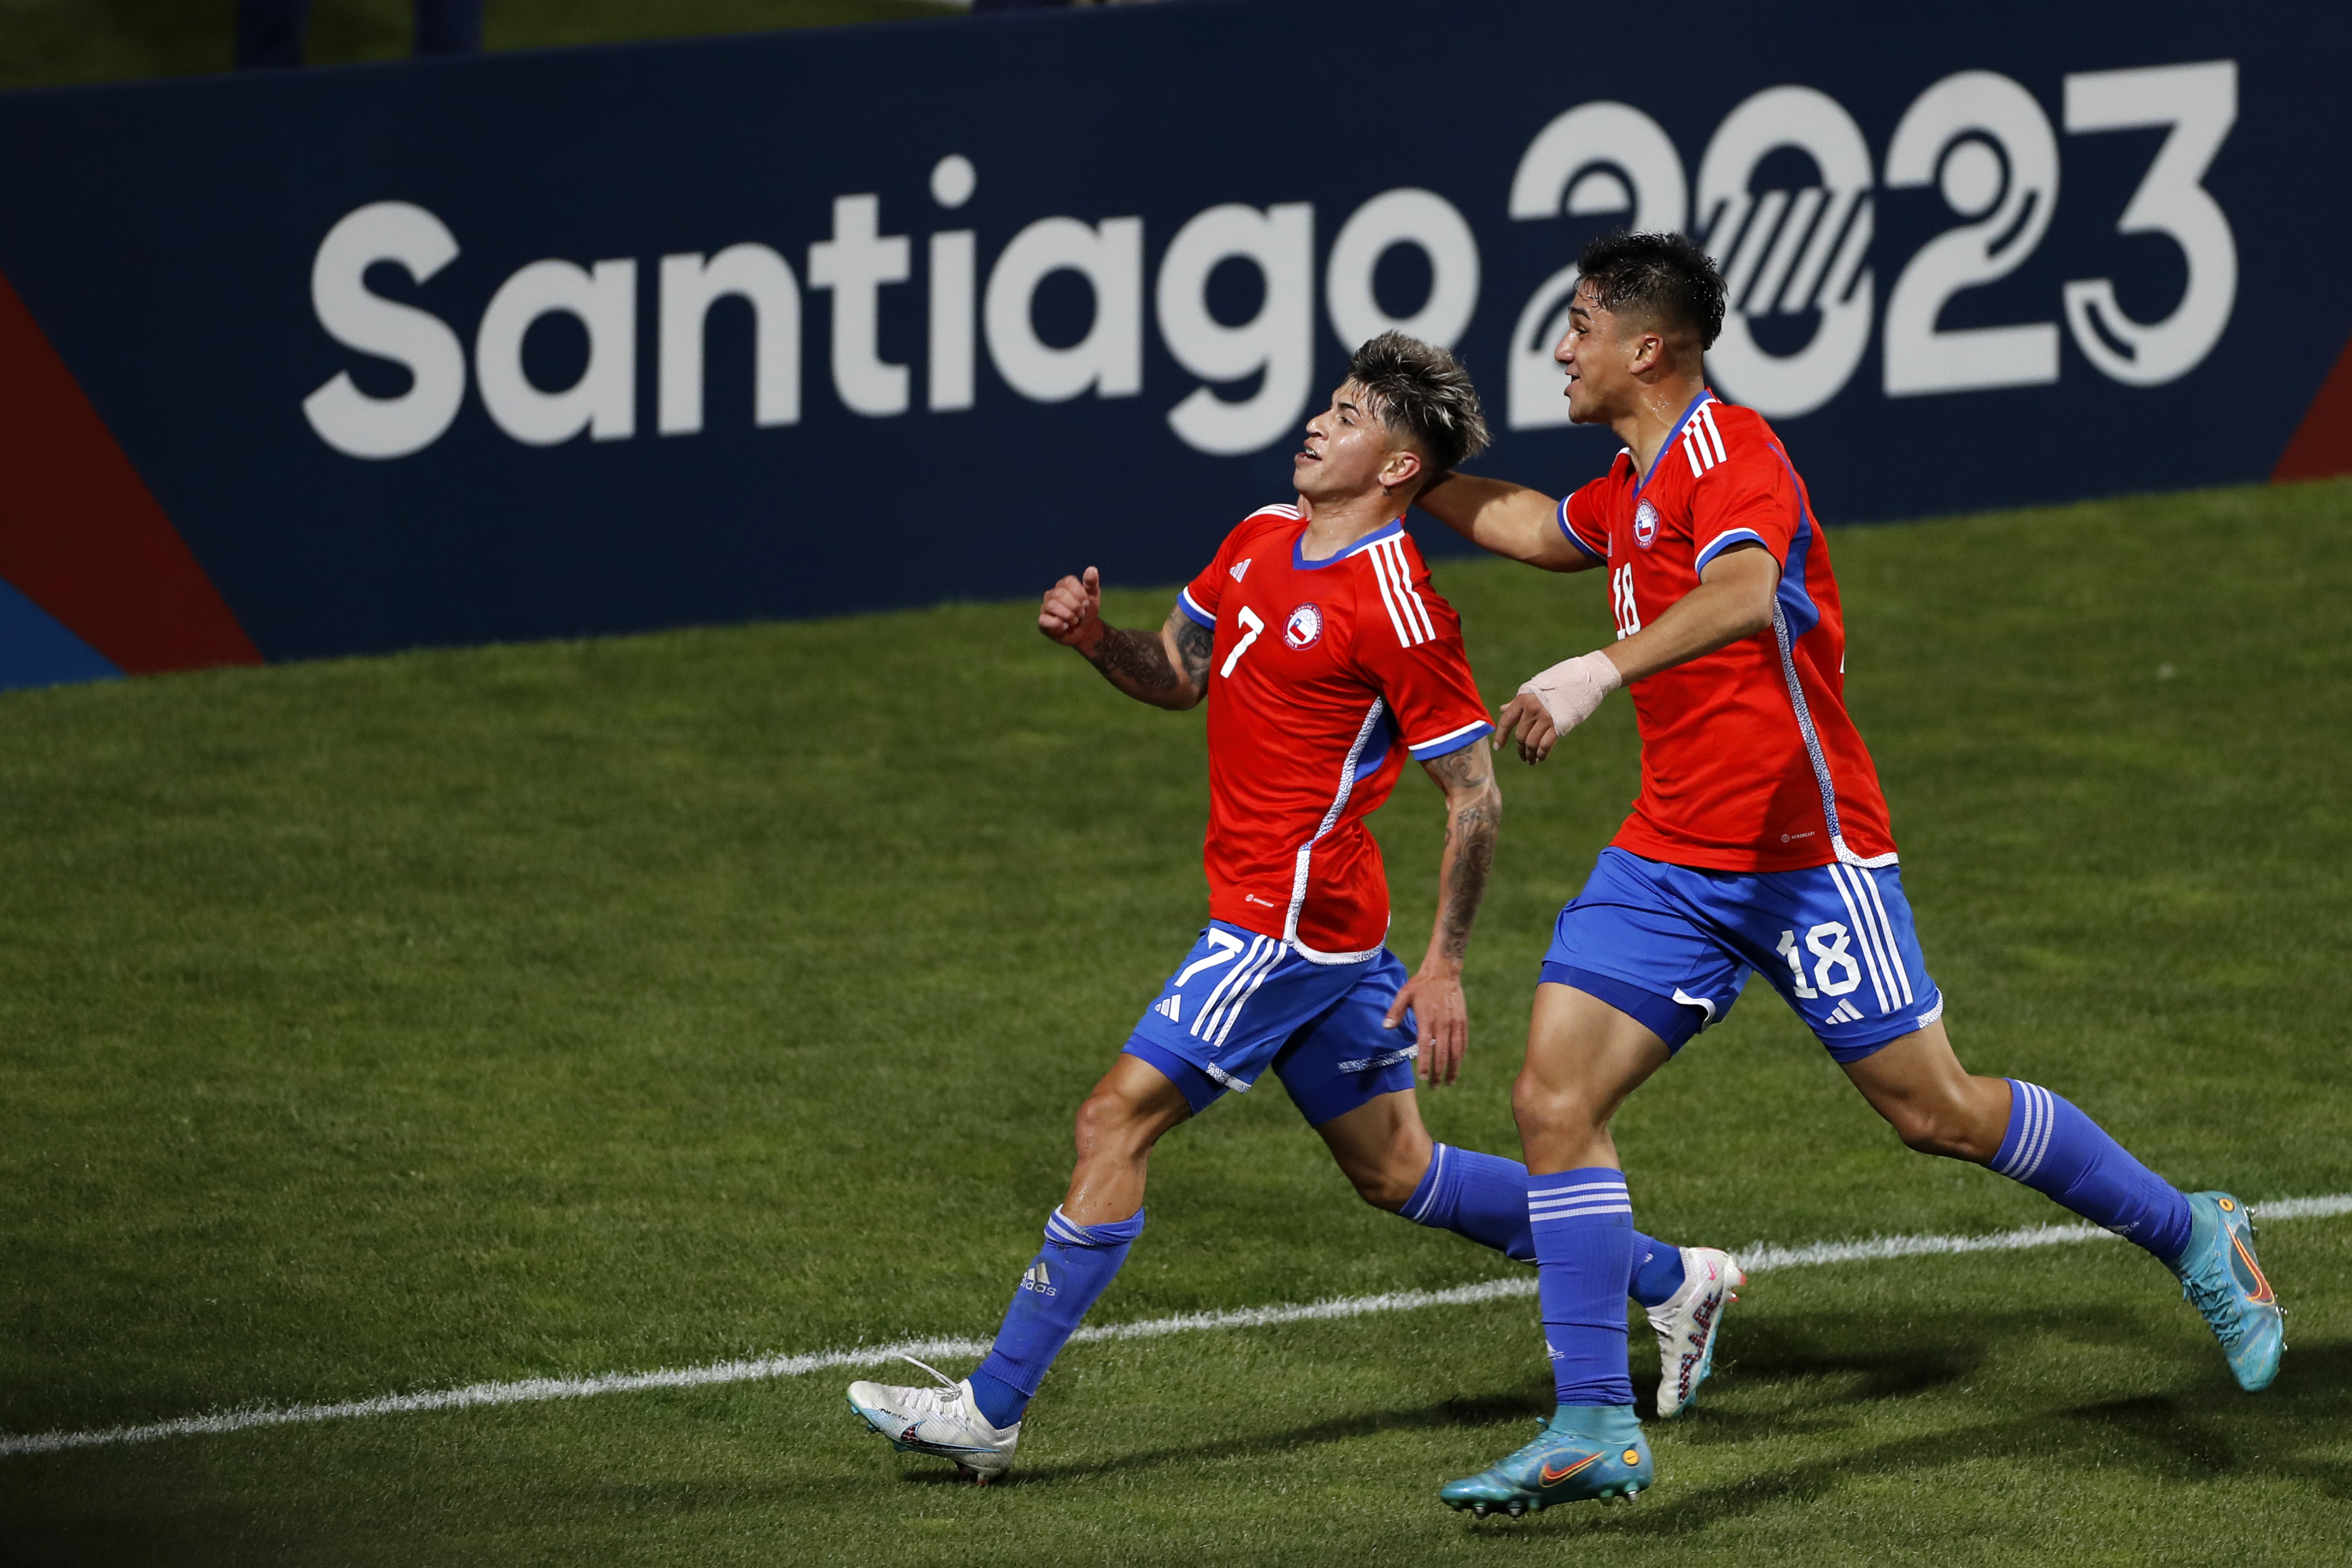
x=1474, y=806
x=1474, y=817
x=1166, y=669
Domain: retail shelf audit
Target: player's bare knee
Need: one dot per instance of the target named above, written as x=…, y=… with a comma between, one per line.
x=1108, y=1124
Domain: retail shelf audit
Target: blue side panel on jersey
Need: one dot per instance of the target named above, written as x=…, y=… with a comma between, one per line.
x=1796, y=604
x=1375, y=749
x=36, y=650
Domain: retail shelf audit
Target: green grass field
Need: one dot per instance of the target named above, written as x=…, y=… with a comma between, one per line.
x=393, y=1024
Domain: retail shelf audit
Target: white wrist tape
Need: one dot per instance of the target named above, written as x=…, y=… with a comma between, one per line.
x=1571, y=689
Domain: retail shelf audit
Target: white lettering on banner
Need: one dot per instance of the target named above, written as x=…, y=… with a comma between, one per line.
x=603, y=401
x=1279, y=340
x=346, y=418
x=948, y=382
x=1596, y=157
x=854, y=264
x=2199, y=102
x=1413, y=217
x=1800, y=298
x=1986, y=144
x=1789, y=254
x=689, y=287
x=1109, y=359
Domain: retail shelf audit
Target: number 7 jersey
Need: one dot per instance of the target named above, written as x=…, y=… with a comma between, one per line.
x=1324, y=676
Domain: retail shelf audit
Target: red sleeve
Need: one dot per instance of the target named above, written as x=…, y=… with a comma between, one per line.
x=1751, y=497
x=1409, y=648
x=1581, y=521
x=1199, y=598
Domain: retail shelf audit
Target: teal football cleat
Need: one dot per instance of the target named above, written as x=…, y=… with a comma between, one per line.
x=2220, y=1279
x=1584, y=1451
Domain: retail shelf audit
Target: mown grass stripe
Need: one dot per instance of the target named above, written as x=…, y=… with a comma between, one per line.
x=1757, y=1259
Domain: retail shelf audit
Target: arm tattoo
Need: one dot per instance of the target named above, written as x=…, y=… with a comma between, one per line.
x=1470, y=836
x=1133, y=659
x=1195, y=642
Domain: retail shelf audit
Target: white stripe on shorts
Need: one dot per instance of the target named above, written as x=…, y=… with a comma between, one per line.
x=1886, y=930
x=1866, y=940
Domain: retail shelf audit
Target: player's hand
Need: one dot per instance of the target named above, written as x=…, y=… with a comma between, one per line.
x=1564, y=696
x=1434, y=995
x=1525, y=721
x=1071, y=613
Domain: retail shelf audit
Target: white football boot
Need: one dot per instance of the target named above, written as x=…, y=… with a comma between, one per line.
x=1688, y=1323
x=943, y=1421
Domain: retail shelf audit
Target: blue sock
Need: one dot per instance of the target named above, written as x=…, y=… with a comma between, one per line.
x=1485, y=1198
x=2061, y=1153
x=1481, y=1197
x=1584, y=1224
x=1074, y=1267
x=1657, y=1272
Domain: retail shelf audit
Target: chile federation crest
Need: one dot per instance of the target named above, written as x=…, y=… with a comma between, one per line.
x=1305, y=627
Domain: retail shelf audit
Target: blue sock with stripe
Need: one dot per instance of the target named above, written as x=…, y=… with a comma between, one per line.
x=1485, y=1198
x=2065, y=1156
x=1584, y=1225
x=1075, y=1266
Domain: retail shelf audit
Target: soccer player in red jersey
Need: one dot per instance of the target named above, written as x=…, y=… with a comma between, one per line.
x=1327, y=659
x=1759, y=842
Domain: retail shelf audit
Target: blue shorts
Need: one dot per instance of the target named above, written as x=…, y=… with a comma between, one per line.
x=1668, y=945
x=1241, y=1002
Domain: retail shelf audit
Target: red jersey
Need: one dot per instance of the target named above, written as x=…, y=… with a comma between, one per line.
x=1749, y=762
x=1325, y=675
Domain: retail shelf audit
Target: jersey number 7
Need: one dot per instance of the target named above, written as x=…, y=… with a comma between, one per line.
x=1253, y=626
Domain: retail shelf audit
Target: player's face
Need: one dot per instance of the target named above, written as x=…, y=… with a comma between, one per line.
x=1349, y=452
x=1597, y=353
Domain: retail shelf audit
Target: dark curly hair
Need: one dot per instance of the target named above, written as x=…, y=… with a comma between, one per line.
x=1421, y=392
x=1665, y=277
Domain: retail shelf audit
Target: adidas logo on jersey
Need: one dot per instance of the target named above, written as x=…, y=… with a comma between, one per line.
x=1039, y=1280
x=1241, y=567
x=1171, y=1009
x=1847, y=1013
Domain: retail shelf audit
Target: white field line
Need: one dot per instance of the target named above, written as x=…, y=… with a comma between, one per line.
x=1758, y=1258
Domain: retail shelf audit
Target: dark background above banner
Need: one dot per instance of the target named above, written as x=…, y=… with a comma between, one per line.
x=604, y=340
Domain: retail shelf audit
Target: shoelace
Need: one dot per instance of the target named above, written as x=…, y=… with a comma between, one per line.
x=2214, y=1301
x=955, y=1389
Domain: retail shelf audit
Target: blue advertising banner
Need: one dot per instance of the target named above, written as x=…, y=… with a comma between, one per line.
x=604, y=340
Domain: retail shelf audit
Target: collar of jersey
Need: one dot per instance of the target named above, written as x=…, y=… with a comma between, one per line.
x=1705, y=395
x=1299, y=562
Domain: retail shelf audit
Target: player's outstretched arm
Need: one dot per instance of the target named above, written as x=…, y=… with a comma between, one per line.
x=1474, y=816
x=1508, y=520
x=1733, y=600
x=1168, y=669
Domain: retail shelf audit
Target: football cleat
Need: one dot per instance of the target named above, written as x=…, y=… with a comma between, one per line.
x=1688, y=1323
x=941, y=1421
x=2220, y=1277
x=1584, y=1451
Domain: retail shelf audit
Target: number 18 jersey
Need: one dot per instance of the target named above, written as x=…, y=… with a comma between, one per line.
x=1325, y=675
x=1749, y=760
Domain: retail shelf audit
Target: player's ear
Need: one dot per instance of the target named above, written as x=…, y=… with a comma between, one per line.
x=1404, y=466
